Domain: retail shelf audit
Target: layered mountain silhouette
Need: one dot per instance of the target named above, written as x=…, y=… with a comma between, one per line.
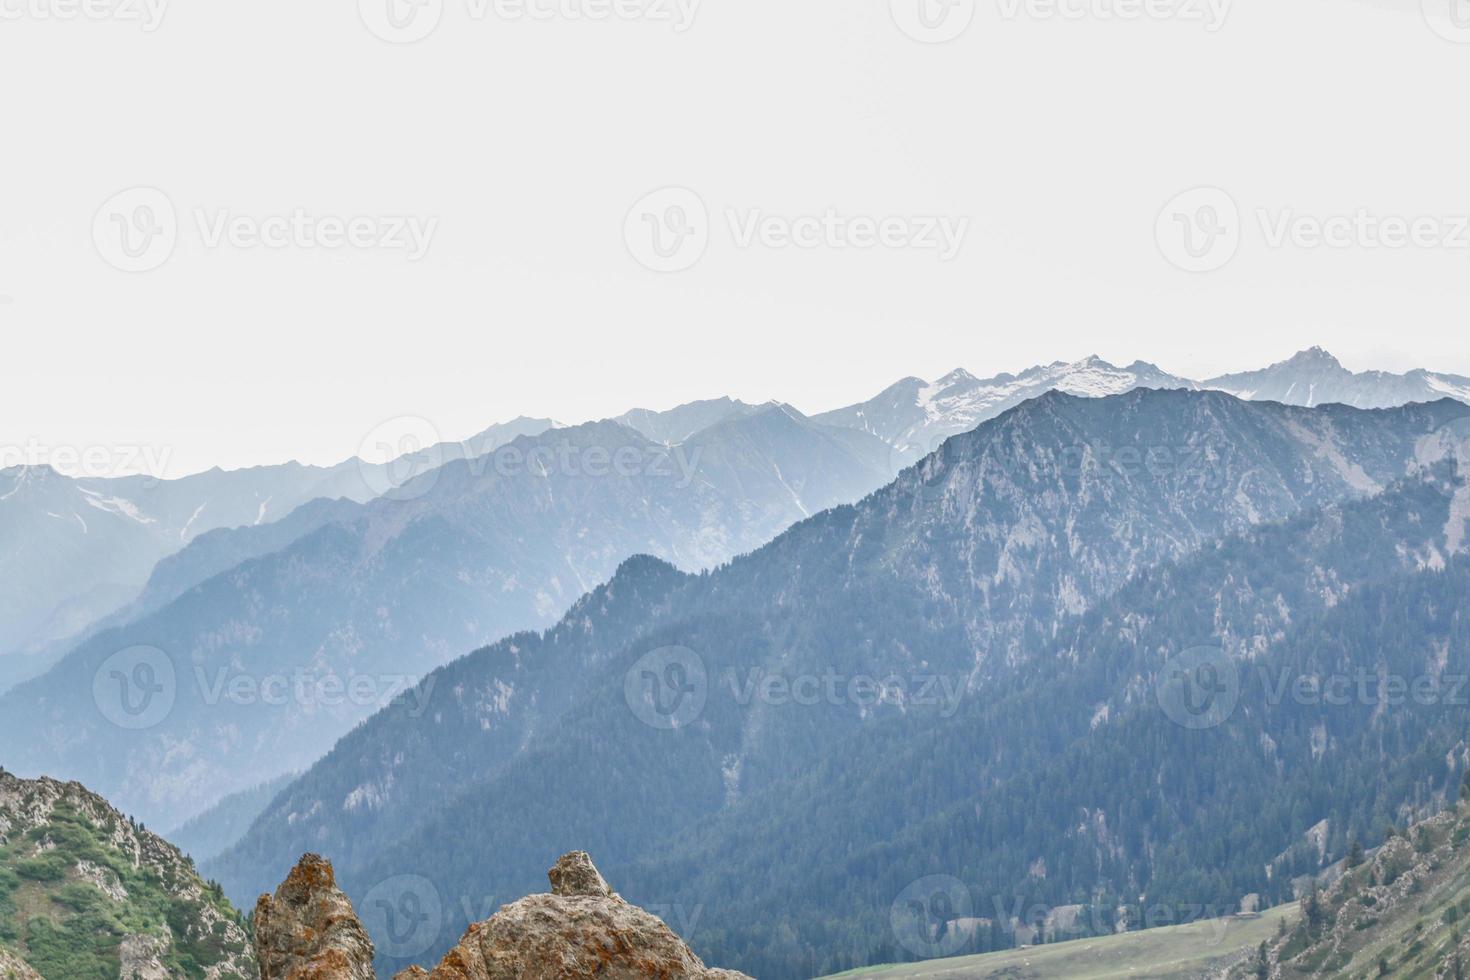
x=951, y=676
x=74, y=551
x=212, y=635
x=257, y=670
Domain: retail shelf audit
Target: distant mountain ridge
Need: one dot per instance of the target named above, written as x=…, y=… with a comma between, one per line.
x=915, y=417
x=88, y=546
x=972, y=567
x=382, y=593
x=316, y=585
x=76, y=550
x=1315, y=377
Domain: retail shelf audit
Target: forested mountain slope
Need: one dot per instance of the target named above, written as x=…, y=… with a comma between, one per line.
x=957, y=592
x=259, y=669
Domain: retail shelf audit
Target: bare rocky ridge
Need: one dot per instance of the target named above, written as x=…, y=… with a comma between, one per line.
x=308, y=931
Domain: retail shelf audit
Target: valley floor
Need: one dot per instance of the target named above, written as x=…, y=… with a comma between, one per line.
x=1173, y=953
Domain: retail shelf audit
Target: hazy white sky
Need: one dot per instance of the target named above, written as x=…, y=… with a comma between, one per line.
x=518, y=145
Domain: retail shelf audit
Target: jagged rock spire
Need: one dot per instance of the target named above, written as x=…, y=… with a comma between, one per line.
x=309, y=930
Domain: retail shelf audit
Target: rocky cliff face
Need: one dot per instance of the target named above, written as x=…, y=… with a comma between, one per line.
x=119, y=901
x=12, y=968
x=1398, y=911
x=308, y=931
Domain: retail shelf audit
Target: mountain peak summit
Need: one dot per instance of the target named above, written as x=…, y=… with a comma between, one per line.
x=957, y=376
x=1315, y=356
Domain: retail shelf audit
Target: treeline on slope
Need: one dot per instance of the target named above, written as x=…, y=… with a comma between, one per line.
x=957, y=571
x=797, y=876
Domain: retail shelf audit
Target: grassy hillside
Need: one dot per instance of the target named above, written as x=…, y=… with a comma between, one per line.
x=1172, y=953
x=87, y=895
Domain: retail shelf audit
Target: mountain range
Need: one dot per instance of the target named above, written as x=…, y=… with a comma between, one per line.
x=272, y=610
x=1315, y=377
x=956, y=675
x=269, y=661
x=74, y=551
x=77, y=552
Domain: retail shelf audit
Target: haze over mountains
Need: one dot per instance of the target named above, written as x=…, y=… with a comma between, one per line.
x=74, y=550
x=961, y=586
x=1315, y=377
x=202, y=649
x=379, y=594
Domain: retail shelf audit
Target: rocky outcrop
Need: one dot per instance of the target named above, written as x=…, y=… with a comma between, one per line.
x=100, y=863
x=1396, y=911
x=575, y=875
x=308, y=930
x=583, y=929
x=141, y=958
x=13, y=968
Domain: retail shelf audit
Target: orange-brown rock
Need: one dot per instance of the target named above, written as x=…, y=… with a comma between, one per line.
x=582, y=930
x=309, y=931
